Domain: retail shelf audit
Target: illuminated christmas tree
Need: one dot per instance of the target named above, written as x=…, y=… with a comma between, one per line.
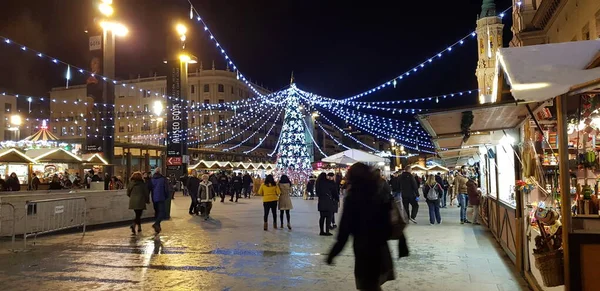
x=293, y=158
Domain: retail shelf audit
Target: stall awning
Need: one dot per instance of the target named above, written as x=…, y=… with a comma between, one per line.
x=14, y=156
x=58, y=155
x=95, y=159
x=352, y=156
x=540, y=72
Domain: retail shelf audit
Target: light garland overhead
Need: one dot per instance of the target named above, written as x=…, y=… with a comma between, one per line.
x=309, y=130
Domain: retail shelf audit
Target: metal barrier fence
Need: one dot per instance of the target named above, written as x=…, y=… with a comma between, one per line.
x=50, y=215
x=14, y=219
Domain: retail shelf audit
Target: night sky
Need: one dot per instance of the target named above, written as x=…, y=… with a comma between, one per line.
x=335, y=48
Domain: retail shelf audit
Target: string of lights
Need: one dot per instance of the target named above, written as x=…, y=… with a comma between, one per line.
x=86, y=74
x=309, y=130
x=254, y=133
x=221, y=50
x=245, y=130
x=334, y=139
x=393, y=82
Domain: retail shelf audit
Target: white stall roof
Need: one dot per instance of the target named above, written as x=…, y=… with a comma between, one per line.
x=352, y=156
x=541, y=72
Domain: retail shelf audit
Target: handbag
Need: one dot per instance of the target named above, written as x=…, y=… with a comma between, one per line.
x=398, y=220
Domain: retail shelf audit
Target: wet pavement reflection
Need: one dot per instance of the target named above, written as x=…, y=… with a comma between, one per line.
x=232, y=252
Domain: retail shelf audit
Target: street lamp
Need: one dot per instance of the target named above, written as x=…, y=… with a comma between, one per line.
x=15, y=122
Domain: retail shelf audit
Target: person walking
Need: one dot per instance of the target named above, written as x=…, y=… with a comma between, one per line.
x=285, y=202
x=247, y=185
x=366, y=217
x=139, y=196
x=451, y=189
x=206, y=196
x=192, y=186
x=223, y=186
x=432, y=191
x=410, y=192
x=460, y=188
x=310, y=187
x=237, y=184
x=35, y=182
x=325, y=190
x=474, y=199
x=160, y=193
x=270, y=193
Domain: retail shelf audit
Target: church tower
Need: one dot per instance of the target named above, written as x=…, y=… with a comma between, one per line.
x=489, y=39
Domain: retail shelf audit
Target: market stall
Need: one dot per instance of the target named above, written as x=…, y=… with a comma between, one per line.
x=560, y=165
x=49, y=162
x=14, y=161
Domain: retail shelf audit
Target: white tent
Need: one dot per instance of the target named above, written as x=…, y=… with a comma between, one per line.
x=353, y=156
x=541, y=72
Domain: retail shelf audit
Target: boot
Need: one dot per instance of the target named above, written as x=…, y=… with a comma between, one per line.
x=266, y=227
x=139, y=228
x=282, y=224
x=132, y=229
x=289, y=226
x=274, y=224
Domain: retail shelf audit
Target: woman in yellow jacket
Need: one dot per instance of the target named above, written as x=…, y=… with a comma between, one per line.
x=270, y=193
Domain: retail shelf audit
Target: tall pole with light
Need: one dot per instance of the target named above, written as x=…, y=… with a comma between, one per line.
x=15, y=122
x=110, y=29
x=157, y=108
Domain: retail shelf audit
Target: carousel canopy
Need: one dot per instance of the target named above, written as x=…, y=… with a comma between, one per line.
x=42, y=135
x=352, y=156
x=53, y=156
x=14, y=156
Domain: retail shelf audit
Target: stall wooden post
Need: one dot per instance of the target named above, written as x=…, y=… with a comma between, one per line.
x=564, y=183
x=519, y=232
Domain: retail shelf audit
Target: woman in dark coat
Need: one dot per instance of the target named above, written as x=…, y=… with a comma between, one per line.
x=366, y=217
x=326, y=191
x=139, y=196
x=13, y=183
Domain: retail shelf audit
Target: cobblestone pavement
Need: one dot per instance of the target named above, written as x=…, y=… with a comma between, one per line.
x=234, y=253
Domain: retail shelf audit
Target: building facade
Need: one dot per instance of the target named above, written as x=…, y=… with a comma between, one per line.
x=554, y=21
x=489, y=39
x=10, y=131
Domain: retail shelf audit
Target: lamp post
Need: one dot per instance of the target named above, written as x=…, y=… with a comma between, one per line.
x=15, y=122
x=110, y=29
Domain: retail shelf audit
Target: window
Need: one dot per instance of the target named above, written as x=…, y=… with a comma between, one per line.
x=206, y=101
x=206, y=88
x=146, y=108
x=145, y=126
x=193, y=89
x=54, y=129
x=121, y=96
x=121, y=128
x=232, y=92
x=7, y=107
x=221, y=88
x=221, y=101
x=129, y=128
x=145, y=94
x=79, y=130
x=206, y=119
x=193, y=119
x=221, y=119
x=63, y=131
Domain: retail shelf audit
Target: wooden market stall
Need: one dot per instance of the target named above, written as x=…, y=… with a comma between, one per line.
x=14, y=161
x=51, y=161
x=569, y=74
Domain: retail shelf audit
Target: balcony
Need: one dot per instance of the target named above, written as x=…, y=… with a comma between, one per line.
x=547, y=12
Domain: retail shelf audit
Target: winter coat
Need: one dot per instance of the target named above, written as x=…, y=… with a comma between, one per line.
x=35, y=183
x=269, y=193
x=310, y=187
x=206, y=192
x=246, y=181
x=256, y=183
x=193, y=185
x=326, y=191
x=138, y=195
x=160, y=188
x=285, y=202
x=395, y=184
x=13, y=184
x=438, y=189
x=460, y=184
x=214, y=180
x=408, y=186
x=237, y=182
x=472, y=192
x=366, y=217
x=439, y=180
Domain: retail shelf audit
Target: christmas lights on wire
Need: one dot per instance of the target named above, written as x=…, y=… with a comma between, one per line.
x=254, y=133
x=393, y=82
x=309, y=130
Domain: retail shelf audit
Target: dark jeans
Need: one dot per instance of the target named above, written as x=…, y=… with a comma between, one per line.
x=138, y=216
x=272, y=206
x=194, y=204
x=237, y=192
x=247, y=191
x=443, y=198
x=332, y=218
x=311, y=194
x=287, y=215
x=402, y=247
x=205, y=208
x=222, y=192
x=160, y=209
x=406, y=201
x=434, y=211
x=325, y=221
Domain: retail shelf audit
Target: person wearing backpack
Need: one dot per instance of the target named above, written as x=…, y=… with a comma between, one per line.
x=433, y=190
